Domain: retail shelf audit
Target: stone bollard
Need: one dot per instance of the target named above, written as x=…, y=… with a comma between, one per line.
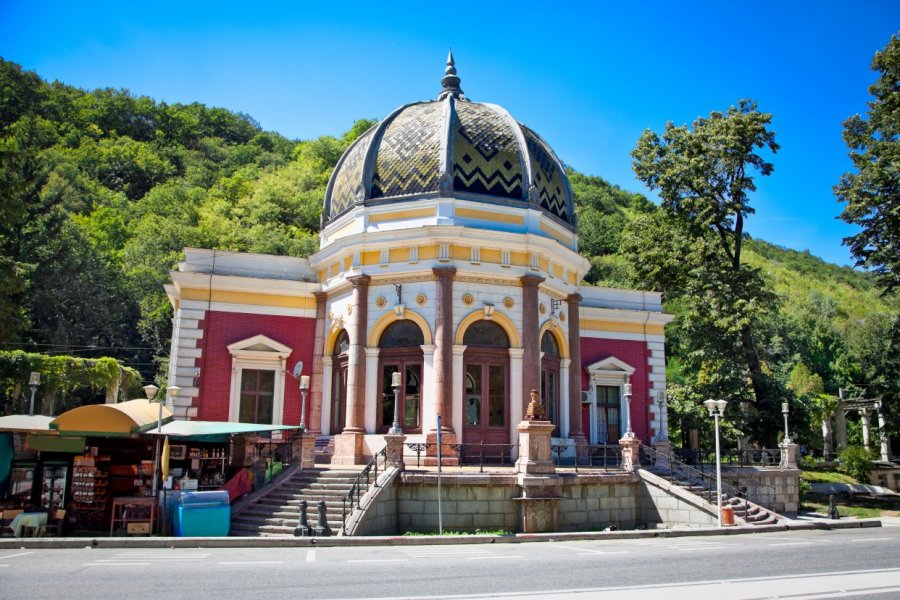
x=303, y=529
x=322, y=529
x=832, y=508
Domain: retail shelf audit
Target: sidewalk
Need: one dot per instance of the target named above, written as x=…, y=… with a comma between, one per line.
x=799, y=524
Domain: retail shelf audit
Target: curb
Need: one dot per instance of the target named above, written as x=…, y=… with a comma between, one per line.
x=328, y=542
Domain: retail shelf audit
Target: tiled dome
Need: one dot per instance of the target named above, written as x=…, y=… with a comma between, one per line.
x=450, y=147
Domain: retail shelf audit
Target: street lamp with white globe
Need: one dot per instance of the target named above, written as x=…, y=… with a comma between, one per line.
x=716, y=409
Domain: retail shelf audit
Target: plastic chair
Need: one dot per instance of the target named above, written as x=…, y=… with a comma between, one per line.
x=6, y=519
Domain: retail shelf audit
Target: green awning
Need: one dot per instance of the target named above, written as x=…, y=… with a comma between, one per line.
x=53, y=443
x=214, y=430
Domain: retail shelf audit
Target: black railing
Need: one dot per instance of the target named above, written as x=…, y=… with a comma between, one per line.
x=366, y=478
x=752, y=457
x=480, y=454
x=689, y=476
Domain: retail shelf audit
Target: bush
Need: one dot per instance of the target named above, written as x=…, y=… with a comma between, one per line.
x=856, y=461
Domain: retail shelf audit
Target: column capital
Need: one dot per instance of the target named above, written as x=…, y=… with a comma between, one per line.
x=320, y=296
x=531, y=280
x=574, y=298
x=359, y=280
x=444, y=272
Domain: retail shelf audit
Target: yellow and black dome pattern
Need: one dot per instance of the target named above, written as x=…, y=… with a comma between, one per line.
x=450, y=147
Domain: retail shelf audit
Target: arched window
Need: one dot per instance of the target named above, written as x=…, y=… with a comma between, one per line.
x=339, y=382
x=550, y=379
x=401, y=352
x=486, y=334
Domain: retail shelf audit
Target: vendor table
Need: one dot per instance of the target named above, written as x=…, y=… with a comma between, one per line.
x=136, y=514
x=31, y=521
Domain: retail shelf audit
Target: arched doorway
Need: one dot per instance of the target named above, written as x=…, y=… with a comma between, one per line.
x=401, y=352
x=486, y=388
x=550, y=379
x=339, y=383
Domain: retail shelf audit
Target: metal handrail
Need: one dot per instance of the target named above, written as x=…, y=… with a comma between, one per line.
x=352, y=499
x=688, y=474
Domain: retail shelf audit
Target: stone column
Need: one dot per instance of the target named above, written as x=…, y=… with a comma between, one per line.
x=314, y=419
x=789, y=454
x=885, y=442
x=575, y=430
x=443, y=367
x=348, y=445
x=827, y=446
x=531, y=343
x=864, y=421
x=840, y=425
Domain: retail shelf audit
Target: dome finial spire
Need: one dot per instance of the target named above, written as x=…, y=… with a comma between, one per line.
x=450, y=81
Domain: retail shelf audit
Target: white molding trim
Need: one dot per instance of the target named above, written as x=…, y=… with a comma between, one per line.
x=614, y=335
x=261, y=353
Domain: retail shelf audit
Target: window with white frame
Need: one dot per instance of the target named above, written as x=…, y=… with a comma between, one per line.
x=607, y=411
x=257, y=380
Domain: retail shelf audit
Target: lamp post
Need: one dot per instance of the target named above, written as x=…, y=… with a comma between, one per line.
x=150, y=390
x=304, y=389
x=627, y=390
x=395, y=383
x=716, y=409
x=33, y=383
x=784, y=411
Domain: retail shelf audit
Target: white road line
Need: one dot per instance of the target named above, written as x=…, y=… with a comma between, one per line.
x=490, y=557
x=685, y=548
x=378, y=560
x=15, y=555
x=793, y=544
x=117, y=564
x=310, y=556
x=587, y=551
x=872, y=540
x=251, y=562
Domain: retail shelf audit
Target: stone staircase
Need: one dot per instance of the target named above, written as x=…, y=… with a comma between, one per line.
x=751, y=513
x=276, y=513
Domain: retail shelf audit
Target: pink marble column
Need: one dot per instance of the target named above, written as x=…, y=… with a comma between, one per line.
x=531, y=343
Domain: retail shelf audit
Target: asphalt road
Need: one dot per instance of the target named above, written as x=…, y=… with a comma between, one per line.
x=863, y=563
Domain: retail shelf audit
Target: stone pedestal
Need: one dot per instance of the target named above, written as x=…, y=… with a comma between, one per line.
x=348, y=449
x=539, y=504
x=789, y=454
x=631, y=453
x=663, y=453
x=308, y=451
x=393, y=450
x=534, y=448
x=449, y=455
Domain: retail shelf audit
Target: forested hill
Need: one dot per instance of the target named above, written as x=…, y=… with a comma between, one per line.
x=101, y=190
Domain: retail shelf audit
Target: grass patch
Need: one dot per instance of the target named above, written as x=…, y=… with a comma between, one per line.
x=861, y=507
x=476, y=532
x=813, y=476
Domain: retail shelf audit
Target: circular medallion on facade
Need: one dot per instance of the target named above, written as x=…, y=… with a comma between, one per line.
x=562, y=317
x=421, y=299
x=468, y=299
x=331, y=315
x=542, y=308
x=508, y=302
x=380, y=301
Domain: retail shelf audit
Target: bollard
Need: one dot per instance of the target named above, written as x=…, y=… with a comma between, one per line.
x=322, y=529
x=832, y=508
x=303, y=529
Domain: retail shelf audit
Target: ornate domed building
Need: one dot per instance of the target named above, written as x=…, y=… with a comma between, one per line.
x=446, y=288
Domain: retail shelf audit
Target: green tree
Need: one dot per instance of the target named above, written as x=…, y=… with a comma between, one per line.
x=704, y=176
x=872, y=193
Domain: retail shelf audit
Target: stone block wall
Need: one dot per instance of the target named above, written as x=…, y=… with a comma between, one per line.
x=468, y=502
x=380, y=516
x=662, y=504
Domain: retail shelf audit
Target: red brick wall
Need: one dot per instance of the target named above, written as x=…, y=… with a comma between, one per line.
x=636, y=355
x=223, y=328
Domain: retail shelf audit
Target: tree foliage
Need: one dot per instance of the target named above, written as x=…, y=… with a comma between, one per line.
x=872, y=193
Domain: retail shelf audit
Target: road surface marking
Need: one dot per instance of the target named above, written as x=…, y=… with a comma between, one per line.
x=15, y=555
x=491, y=556
x=251, y=562
x=586, y=551
x=116, y=564
x=310, y=556
x=378, y=560
x=793, y=544
x=684, y=548
x=872, y=540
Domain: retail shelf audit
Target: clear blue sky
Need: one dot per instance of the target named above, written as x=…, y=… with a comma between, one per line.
x=588, y=76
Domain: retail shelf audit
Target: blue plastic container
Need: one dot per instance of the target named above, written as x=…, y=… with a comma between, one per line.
x=202, y=514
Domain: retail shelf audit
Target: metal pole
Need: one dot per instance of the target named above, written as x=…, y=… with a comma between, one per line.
x=718, y=473
x=31, y=405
